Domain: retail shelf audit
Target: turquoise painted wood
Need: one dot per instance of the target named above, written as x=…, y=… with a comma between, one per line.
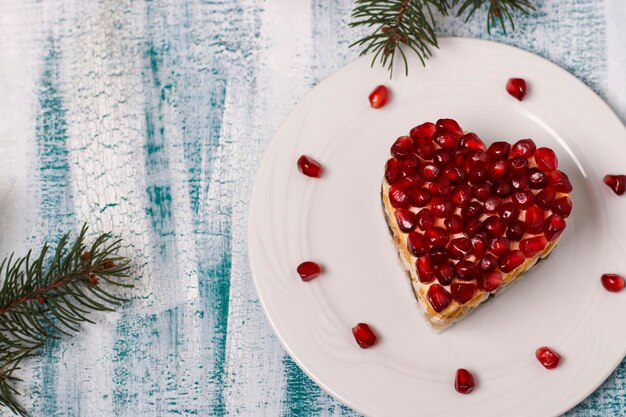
x=150, y=118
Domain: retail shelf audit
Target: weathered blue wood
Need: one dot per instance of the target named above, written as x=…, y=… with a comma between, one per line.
x=150, y=118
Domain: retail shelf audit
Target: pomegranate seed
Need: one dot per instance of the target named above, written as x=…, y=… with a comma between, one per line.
x=466, y=270
x=502, y=188
x=460, y=248
x=518, y=165
x=471, y=141
x=379, y=97
x=454, y=224
x=473, y=226
x=364, y=335
x=419, y=197
x=425, y=269
x=508, y=212
x=545, y=198
x=477, y=174
x=499, y=150
x=463, y=292
x=547, y=357
x=562, y=206
x=417, y=244
x=438, y=255
x=430, y=172
x=554, y=226
x=494, y=226
x=537, y=179
x=516, y=87
x=437, y=236
x=459, y=156
x=464, y=381
x=499, y=245
x=498, y=170
x=442, y=158
x=406, y=220
x=441, y=187
x=402, y=147
x=616, y=182
x=425, y=219
x=511, y=260
x=445, y=273
x=519, y=182
x=425, y=149
x=438, y=297
x=516, y=230
x=523, y=148
x=454, y=174
x=451, y=125
x=479, y=243
x=446, y=139
x=546, y=159
x=534, y=220
x=393, y=171
x=423, y=131
x=473, y=209
x=560, y=181
x=613, y=282
x=411, y=165
x=310, y=167
x=523, y=199
x=493, y=204
x=308, y=270
x=477, y=157
x=488, y=263
x=441, y=207
x=411, y=180
x=491, y=281
x=398, y=196
x=481, y=191
x=532, y=246
x=461, y=195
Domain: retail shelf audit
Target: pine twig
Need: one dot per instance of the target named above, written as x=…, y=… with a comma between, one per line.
x=498, y=11
x=48, y=296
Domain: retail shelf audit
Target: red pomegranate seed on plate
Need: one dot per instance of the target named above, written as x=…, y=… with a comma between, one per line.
x=459, y=156
x=516, y=87
x=420, y=197
x=461, y=195
x=451, y=125
x=379, y=97
x=562, y=206
x=545, y=198
x=454, y=224
x=430, y=172
x=425, y=269
x=523, y=148
x=508, y=212
x=473, y=209
x=537, y=179
x=480, y=243
x=502, y=188
x=546, y=159
x=460, y=248
x=423, y=131
x=518, y=165
x=446, y=139
x=490, y=281
x=310, y=167
x=308, y=270
x=398, y=196
x=471, y=141
x=425, y=149
x=477, y=157
x=560, y=181
x=441, y=187
x=364, y=335
x=554, y=226
x=454, y=174
x=402, y=147
x=438, y=255
x=417, y=244
x=393, y=171
x=488, y=263
x=406, y=220
x=425, y=219
x=442, y=158
x=499, y=245
x=481, y=191
x=445, y=273
x=437, y=236
x=466, y=270
x=547, y=357
x=499, y=150
x=473, y=226
x=519, y=182
x=438, y=297
x=516, y=230
x=441, y=207
x=616, y=182
x=477, y=174
x=533, y=245
x=499, y=169
x=493, y=204
x=511, y=260
x=464, y=381
x=523, y=199
x=613, y=282
x=494, y=226
x=411, y=165
x=463, y=292
x=534, y=220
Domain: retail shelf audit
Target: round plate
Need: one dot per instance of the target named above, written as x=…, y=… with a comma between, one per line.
x=338, y=221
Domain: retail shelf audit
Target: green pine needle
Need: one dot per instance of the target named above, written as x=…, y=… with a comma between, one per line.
x=499, y=12
x=49, y=296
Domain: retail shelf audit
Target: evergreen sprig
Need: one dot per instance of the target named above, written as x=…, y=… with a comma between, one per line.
x=411, y=23
x=50, y=295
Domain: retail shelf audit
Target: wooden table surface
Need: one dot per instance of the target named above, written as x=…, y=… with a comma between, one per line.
x=149, y=118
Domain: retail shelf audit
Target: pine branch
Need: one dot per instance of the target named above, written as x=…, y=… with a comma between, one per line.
x=397, y=22
x=51, y=295
x=499, y=10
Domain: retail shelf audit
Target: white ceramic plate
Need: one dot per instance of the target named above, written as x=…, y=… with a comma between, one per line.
x=338, y=222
